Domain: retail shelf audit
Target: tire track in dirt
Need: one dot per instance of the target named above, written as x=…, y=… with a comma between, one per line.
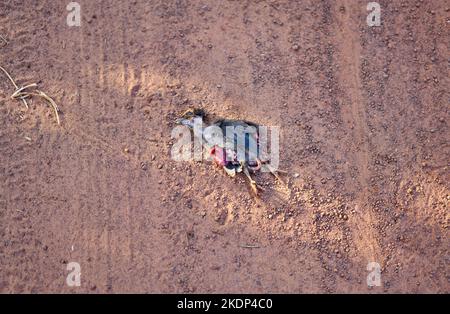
x=71, y=228
x=18, y=48
x=97, y=78
x=109, y=236
x=14, y=206
x=338, y=271
x=315, y=86
x=407, y=49
x=129, y=211
x=125, y=210
x=80, y=128
x=121, y=211
x=80, y=231
x=110, y=206
x=23, y=168
x=350, y=70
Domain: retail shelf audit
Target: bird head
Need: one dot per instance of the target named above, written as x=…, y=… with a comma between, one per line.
x=187, y=118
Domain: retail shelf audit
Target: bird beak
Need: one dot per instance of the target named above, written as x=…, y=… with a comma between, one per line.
x=182, y=121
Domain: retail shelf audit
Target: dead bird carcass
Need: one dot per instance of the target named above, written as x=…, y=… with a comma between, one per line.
x=237, y=146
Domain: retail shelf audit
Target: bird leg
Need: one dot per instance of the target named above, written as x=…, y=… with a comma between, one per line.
x=254, y=186
x=275, y=172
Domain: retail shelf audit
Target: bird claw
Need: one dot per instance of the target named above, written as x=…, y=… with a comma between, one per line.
x=275, y=172
x=230, y=172
x=255, y=187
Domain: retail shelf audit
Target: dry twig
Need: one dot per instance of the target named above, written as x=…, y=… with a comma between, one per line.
x=247, y=246
x=4, y=39
x=23, y=94
x=52, y=103
x=15, y=85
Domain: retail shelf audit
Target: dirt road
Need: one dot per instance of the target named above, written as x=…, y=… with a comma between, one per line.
x=364, y=118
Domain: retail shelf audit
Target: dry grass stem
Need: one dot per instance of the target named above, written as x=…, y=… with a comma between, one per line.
x=23, y=94
x=15, y=85
x=4, y=39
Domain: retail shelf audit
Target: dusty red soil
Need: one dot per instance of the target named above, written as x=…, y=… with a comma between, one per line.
x=364, y=122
